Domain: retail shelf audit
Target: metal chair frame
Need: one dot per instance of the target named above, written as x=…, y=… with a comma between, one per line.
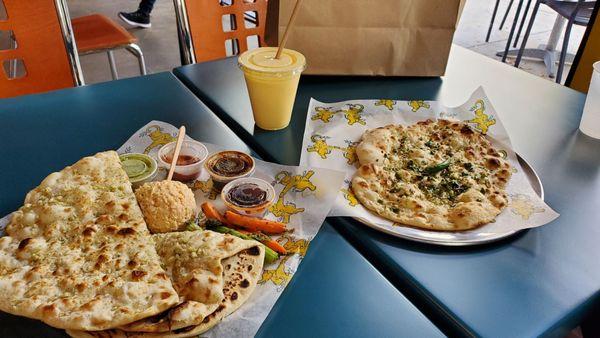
x=132, y=48
x=493, y=19
x=508, y=8
x=571, y=21
x=69, y=39
x=577, y=76
x=13, y=63
x=510, y=41
x=188, y=54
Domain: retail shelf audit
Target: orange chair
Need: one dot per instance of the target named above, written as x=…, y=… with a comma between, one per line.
x=203, y=35
x=42, y=55
x=96, y=33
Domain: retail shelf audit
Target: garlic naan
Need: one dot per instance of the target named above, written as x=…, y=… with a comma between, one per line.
x=438, y=175
x=78, y=254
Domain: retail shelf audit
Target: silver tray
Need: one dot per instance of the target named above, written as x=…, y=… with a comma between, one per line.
x=462, y=238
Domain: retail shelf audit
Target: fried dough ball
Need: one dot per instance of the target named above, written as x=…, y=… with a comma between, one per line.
x=167, y=205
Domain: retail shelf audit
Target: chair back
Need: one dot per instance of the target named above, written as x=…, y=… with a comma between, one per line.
x=205, y=32
x=40, y=54
x=583, y=5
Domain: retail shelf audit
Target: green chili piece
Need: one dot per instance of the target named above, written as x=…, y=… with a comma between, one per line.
x=436, y=168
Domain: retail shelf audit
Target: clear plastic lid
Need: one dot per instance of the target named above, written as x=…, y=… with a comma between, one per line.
x=194, y=152
x=263, y=60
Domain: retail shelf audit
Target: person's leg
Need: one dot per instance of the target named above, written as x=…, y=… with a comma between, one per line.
x=146, y=6
x=141, y=17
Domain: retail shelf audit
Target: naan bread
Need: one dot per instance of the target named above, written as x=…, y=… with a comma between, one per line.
x=237, y=279
x=434, y=175
x=193, y=259
x=78, y=254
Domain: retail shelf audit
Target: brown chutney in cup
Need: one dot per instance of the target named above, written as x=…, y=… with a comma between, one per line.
x=226, y=166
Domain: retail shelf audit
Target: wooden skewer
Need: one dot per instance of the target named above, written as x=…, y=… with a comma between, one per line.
x=180, y=138
x=287, y=29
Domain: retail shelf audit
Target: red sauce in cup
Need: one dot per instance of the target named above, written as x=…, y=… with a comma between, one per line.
x=182, y=159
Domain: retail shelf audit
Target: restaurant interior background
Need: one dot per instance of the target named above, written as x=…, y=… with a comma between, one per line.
x=160, y=46
x=159, y=42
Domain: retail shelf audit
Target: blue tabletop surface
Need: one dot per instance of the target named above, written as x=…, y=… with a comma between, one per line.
x=47, y=132
x=541, y=281
x=335, y=292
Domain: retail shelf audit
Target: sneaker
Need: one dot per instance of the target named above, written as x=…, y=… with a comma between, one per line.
x=136, y=19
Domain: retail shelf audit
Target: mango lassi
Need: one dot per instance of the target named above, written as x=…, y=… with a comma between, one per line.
x=272, y=84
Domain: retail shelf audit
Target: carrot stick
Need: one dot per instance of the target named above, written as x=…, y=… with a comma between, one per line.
x=267, y=241
x=254, y=224
x=210, y=211
x=275, y=246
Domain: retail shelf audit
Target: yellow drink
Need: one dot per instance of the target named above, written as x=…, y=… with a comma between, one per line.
x=272, y=84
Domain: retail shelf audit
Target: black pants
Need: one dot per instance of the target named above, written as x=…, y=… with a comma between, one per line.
x=146, y=6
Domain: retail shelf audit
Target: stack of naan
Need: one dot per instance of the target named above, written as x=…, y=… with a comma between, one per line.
x=437, y=175
x=78, y=256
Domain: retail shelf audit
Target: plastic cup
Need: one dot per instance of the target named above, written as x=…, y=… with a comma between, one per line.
x=272, y=84
x=192, y=152
x=257, y=209
x=140, y=168
x=590, y=121
x=236, y=163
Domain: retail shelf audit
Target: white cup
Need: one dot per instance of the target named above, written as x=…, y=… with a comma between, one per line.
x=590, y=121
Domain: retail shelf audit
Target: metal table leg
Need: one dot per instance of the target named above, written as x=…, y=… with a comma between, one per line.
x=550, y=48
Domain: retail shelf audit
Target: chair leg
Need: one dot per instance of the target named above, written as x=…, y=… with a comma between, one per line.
x=522, y=23
x=506, y=14
x=563, y=52
x=137, y=51
x=489, y=32
x=113, y=66
x=527, y=32
x=512, y=30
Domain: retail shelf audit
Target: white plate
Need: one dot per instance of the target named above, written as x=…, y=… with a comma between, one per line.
x=458, y=238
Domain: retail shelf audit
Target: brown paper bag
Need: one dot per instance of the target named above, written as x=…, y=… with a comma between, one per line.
x=369, y=37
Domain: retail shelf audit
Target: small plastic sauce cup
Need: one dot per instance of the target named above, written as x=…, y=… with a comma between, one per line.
x=140, y=168
x=248, y=196
x=226, y=166
x=189, y=162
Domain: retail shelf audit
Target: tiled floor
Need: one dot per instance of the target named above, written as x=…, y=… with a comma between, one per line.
x=160, y=47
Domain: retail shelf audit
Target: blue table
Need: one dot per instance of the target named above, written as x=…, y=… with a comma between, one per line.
x=540, y=282
x=335, y=292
